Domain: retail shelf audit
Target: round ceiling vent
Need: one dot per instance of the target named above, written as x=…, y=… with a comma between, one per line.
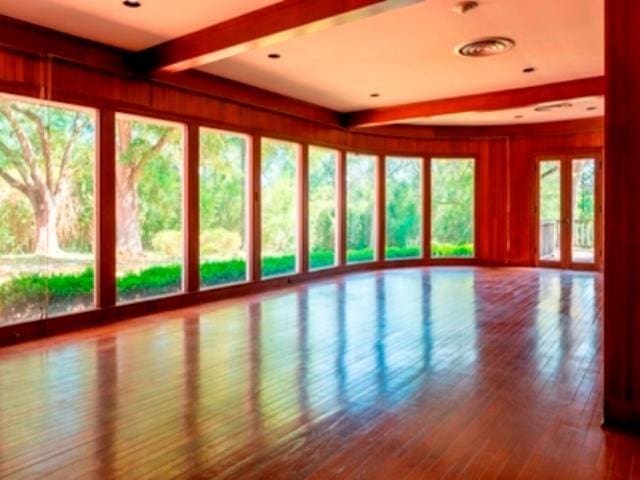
x=553, y=106
x=485, y=47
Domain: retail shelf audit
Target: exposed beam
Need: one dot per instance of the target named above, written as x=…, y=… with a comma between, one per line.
x=505, y=99
x=267, y=26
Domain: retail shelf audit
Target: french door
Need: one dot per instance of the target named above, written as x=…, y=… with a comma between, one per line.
x=568, y=211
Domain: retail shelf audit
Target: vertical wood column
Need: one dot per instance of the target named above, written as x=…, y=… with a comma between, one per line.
x=105, y=291
x=380, y=204
x=426, y=209
x=341, y=208
x=253, y=210
x=622, y=215
x=303, y=209
x=192, y=209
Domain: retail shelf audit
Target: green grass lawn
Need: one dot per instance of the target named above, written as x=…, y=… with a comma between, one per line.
x=27, y=290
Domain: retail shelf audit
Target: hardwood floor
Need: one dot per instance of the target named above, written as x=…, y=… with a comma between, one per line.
x=400, y=374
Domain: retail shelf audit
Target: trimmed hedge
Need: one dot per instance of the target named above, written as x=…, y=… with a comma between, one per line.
x=31, y=289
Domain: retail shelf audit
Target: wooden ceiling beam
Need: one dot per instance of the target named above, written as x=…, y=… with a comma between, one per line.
x=501, y=100
x=267, y=26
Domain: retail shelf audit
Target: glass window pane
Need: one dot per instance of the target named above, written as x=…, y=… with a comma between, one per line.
x=223, y=206
x=452, y=204
x=403, y=207
x=583, y=205
x=550, y=210
x=47, y=161
x=360, y=207
x=149, y=244
x=279, y=207
x=322, y=207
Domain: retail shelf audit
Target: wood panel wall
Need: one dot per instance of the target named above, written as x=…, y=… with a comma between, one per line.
x=504, y=156
x=622, y=228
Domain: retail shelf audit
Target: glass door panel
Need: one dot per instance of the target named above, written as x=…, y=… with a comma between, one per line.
x=550, y=211
x=583, y=210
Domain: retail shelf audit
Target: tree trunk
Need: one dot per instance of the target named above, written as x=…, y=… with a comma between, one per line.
x=128, y=233
x=45, y=209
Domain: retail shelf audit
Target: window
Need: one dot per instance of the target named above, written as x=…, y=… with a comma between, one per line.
x=550, y=209
x=360, y=207
x=47, y=162
x=149, y=244
x=452, y=204
x=403, y=211
x=279, y=207
x=322, y=207
x=583, y=205
x=223, y=207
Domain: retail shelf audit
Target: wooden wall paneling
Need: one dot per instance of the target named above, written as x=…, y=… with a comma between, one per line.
x=92, y=86
x=491, y=197
x=191, y=219
x=105, y=209
x=254, y=210
x=33, y=39
x=380, y=208
x=341, y=208
x=621, y=225
x=21, y=74
x=303, y=208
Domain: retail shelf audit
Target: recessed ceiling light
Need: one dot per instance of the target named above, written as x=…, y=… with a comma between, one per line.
x=553, y=106
x=374, y=95
x=274, y=56
x=486, y=47
x=132, y=3
x=464, y=7
x=528, y=70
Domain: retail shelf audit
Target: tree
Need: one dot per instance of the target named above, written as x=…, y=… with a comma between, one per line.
x=41, y=148
x=138, y=143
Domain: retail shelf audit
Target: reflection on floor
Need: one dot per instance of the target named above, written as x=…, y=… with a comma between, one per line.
x=403, y=374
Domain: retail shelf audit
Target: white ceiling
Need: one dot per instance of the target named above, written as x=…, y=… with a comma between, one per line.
x=580, y=108
x=405, y=55
x=108, y=21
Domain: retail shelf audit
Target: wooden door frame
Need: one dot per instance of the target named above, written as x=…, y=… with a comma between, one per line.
x=566, y=239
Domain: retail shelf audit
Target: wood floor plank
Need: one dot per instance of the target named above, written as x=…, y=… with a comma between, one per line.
x=403, y=374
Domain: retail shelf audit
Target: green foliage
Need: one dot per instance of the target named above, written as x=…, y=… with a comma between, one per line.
x=360, y=201
x=322, y=199
x=37, y=289
x=278, y=178
x=452, y=201
x=168, y=242
x=450, y=250
x=220, y=242
x=403, y=209
x=322, y=259
x=16, y=226
x=362, y=255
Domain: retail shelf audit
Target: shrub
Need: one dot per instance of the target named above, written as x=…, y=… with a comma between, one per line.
x=322, y=259
x=168, y=242
x=449, y=250
x=220, y=242
x=28, y=290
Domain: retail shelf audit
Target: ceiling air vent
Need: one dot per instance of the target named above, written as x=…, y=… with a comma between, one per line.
x=553, y=106
x=485, y=47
